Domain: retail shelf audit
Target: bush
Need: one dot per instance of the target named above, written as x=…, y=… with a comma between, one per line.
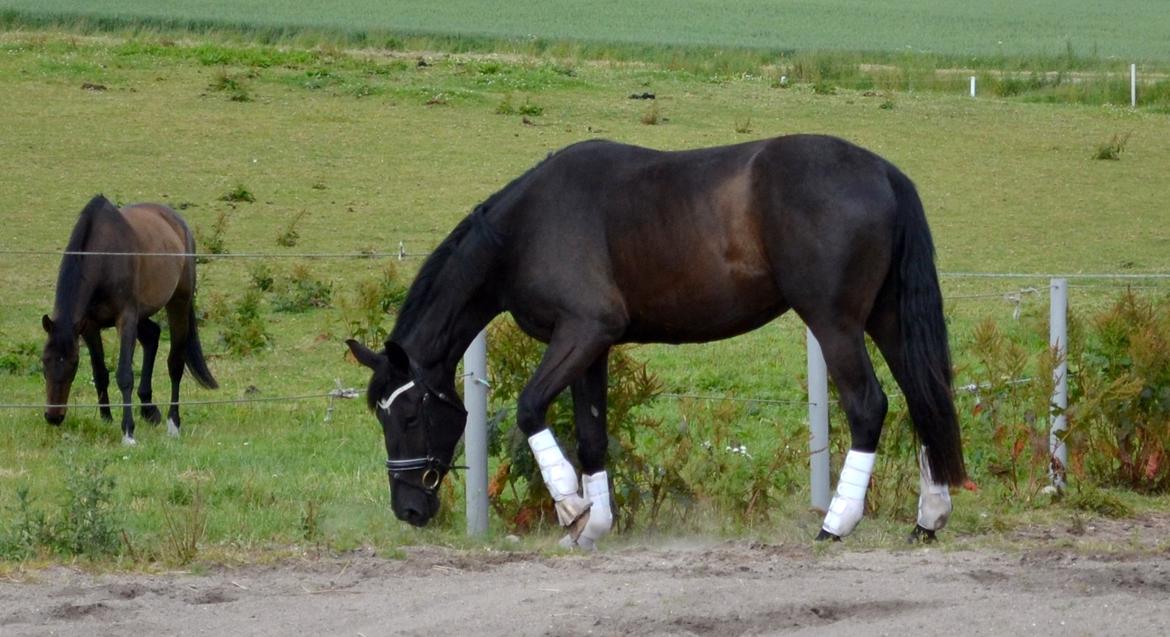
x=21, y=359
x=1118, y=423
x=300, y=292
x=213, y=243
x=84, y=524
x=367, y=310
x=244, y=331
x=660, y=469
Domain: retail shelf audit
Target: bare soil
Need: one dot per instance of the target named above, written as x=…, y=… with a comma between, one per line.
x=1054, y=585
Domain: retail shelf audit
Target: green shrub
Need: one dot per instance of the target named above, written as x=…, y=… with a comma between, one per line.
x=1118, y=423
x=21, y=359
x=300, y=291
x=244, y=331
x=368, y=309
x=84, y=525
x=661, y=470
x=238, y=194
x=214, y=243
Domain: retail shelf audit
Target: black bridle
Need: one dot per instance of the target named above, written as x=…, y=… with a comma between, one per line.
x=431, y=468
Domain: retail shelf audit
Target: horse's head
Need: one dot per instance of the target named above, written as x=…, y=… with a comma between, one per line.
x=421, y=426
x=59, y=361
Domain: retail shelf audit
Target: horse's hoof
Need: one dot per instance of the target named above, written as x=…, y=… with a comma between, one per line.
x=152, y=414
x=576, y=529
x=825, y=535
x=172, y=428
x=107, y=415
x=128, y=441
x=923, y=535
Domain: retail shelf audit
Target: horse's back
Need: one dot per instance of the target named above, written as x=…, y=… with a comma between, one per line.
x=703, y=244
x=164, y=265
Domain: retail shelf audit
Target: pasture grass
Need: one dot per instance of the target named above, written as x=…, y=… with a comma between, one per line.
x=368, y=150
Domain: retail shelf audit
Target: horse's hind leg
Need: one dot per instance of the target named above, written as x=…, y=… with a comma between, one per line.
x=127, y=334
x=934, y=500
x=865, y=406
x=180, y=334
x=148, y=335
x=101, y=374
x=589, y=416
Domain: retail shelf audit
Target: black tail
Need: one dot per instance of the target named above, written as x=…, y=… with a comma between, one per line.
x=193, y=354
x=926, y=351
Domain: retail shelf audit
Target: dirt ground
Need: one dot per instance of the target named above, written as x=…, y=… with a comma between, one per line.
x=678, y=588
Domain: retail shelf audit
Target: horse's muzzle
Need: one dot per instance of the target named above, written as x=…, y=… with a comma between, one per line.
x=54, y=417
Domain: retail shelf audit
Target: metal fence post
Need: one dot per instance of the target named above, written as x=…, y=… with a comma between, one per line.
x=1058, y=341
x=818, y=424
x=475, y=390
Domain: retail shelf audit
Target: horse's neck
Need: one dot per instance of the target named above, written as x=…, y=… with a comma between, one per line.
x=74, y=292
x=462, y=302
x=437, y=342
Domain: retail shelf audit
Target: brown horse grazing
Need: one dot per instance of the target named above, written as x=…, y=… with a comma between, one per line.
x=604, y=243
x=120, y=267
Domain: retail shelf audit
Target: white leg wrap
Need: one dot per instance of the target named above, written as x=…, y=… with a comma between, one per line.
x=172, y=428
x=934, y=500
x=600, y=515
x=559, y=476
x=849, y=502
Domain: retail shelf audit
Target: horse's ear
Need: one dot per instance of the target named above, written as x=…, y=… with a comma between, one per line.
x=398, y=358
x=47, y=323
x=365, y=355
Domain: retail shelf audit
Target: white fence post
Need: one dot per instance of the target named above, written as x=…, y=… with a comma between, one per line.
x=972, y=86
x=1058, y=340
x=1133, y=86
x=818, y=424
x=475, y=390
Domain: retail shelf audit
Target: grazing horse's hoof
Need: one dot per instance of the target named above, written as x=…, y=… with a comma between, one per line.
x=920, y=534
x=151, y=414
x=107, y=415
x=825, y=535
x=128, y=441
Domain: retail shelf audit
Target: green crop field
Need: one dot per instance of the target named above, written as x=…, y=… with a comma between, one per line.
x=1126, y=28
x=361, y=151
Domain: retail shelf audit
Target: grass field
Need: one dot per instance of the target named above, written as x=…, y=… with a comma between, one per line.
x=369, y=150
x=1127, y=29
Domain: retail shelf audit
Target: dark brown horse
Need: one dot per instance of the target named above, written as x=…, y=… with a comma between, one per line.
x=120, y=268
x=605, y=243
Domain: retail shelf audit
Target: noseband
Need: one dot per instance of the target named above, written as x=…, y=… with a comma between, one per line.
x=431, y=467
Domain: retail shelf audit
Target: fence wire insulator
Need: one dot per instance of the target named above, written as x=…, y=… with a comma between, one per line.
x=401, y=250
x=338, y=392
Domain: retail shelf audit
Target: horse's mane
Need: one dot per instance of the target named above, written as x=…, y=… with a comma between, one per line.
x=474, y=226
x=69, y=278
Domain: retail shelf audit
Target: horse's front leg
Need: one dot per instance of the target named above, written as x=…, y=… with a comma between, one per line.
x=127, y=334
x=589, y=413
x=101, y=375
x=574, y=346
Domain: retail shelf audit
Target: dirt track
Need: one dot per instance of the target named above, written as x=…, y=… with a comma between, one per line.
x=730, y=588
